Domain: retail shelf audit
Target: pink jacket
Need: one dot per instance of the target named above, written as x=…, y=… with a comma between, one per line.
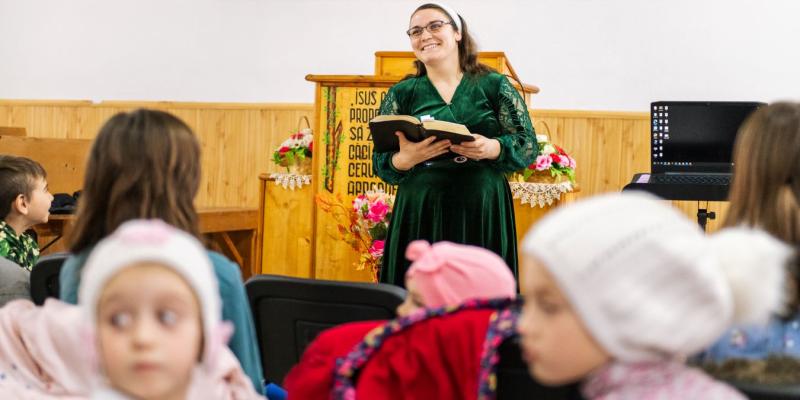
x=655, y=381
x=42, y=353
x=45, y=354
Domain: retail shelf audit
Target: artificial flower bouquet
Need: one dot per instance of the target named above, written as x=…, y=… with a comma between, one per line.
x=363, y=225
x=295, y=152
x=551, y=165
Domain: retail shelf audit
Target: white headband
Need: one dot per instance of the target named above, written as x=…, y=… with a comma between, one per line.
x=450, y=13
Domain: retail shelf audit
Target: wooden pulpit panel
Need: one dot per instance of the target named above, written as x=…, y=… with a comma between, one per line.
x=343, y=165
x=525, y=217
x=398, y=64
x=285, y=229
x=401, y=63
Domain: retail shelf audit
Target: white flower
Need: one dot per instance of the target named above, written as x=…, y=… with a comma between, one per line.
x=548, y=149
x=295, y=142
x=360, y=202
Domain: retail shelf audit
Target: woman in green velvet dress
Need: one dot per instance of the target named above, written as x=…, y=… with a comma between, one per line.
x=464, y=197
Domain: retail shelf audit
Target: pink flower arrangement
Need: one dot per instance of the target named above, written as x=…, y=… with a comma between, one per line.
x=377, y=249
x=373, y=210
x=543, y=162
x=367, y=223
x=377, y=212
x=553, y=159
x=298, y=147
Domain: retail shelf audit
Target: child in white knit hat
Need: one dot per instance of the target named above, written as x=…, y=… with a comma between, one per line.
x=152, y=304
x=621, y=288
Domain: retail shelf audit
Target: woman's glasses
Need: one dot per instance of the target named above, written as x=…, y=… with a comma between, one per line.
x=432, y=27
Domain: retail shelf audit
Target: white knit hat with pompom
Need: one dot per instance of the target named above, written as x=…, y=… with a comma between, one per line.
x=648, y=283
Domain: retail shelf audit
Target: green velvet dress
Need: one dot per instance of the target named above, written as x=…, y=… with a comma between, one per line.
x=468, y=202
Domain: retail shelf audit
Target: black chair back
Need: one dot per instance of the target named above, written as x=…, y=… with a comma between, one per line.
x=758, y=391
x=514, y=382
x=290, y=312
x=44, y=277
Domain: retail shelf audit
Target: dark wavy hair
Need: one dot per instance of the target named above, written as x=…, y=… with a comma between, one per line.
x=143, y=164
x=467, y=48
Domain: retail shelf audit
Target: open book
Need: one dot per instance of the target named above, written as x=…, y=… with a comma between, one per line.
x=383, y=128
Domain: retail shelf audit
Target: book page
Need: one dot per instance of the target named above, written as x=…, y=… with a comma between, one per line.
x=408, y=118
x=447, y=127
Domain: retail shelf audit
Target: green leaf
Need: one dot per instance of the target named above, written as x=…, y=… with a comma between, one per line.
x=527, y=173
x=378, y=232
x=571, y=175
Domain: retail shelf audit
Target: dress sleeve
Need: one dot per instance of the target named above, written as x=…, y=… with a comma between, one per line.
x=518, y=147
x=382, y=162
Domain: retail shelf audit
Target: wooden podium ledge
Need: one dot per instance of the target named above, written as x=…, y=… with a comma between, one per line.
x=232, y=231
x=387, y=80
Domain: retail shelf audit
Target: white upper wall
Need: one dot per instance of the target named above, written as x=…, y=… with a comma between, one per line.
x=583, y=54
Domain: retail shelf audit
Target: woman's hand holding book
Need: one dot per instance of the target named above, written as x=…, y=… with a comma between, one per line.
x=411, y=153
x=481, y=148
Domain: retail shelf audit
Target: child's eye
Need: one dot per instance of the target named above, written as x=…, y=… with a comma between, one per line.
x=121, y=320
x=548, y=306
x=168, y=317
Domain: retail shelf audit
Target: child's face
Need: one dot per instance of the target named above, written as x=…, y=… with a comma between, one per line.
x=36, y=207
x=149, y=332
x=555, y=344
x=413, y=300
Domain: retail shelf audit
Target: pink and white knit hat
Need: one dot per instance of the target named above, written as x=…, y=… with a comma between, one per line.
x=448, y=273
x=155, y=241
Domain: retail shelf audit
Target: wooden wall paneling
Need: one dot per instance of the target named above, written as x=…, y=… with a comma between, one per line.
x=237, y=139
x=210, y=126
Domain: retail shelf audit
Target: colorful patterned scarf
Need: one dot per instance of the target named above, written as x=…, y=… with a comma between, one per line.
x=22, y=249
x=501, y=326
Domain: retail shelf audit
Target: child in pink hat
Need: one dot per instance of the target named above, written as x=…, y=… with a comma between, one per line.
x=447, y=273
x=441, y=275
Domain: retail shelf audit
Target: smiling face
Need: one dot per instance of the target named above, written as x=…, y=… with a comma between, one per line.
x=556, y=345
x=149, y=332
x=438, y=47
